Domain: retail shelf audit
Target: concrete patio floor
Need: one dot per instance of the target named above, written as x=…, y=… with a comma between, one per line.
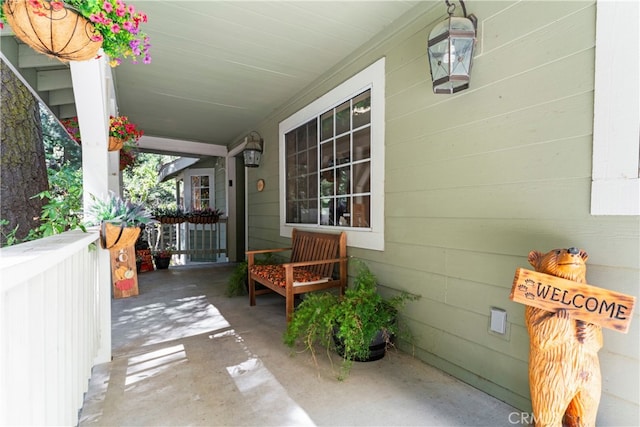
x=185, y=354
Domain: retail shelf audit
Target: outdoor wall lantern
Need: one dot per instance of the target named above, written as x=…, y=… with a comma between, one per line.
x=450, y=49
x=253, y=150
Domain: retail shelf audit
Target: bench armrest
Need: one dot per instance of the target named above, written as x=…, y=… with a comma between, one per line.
x=251, y=254
x=315, y=262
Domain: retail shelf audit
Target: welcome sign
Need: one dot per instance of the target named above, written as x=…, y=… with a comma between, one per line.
x=591, y=304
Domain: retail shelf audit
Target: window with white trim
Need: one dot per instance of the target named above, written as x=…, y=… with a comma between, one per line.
x=615, y=186
x=332, y=162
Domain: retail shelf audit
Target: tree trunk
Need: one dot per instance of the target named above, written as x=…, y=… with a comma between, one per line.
x=23, y=172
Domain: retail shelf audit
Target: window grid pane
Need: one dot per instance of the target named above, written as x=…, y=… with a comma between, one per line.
x=302, y=174
x=328, y=182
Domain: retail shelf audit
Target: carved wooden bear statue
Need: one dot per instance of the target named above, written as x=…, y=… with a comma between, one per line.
x=564, y=372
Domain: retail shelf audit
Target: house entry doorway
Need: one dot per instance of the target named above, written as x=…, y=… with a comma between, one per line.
x=204, y=241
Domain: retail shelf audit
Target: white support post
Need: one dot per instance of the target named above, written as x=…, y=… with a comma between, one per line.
x=93, y=92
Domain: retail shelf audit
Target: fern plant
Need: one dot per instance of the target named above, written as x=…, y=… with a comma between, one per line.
x=349, y=323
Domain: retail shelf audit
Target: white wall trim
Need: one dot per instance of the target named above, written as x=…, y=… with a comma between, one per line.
x=615, y=188
x=371, y=77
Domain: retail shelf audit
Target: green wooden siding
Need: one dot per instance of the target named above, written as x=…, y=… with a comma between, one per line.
x=476, y=180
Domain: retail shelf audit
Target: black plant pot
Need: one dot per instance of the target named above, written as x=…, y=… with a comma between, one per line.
x=377, y=348
x=161, y=263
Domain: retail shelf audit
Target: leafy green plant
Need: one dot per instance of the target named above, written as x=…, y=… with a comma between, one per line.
x=140, y=184
x=352, y=320
x=237, y=284
x=63, y=210
x=114, y=209
x=9, y=236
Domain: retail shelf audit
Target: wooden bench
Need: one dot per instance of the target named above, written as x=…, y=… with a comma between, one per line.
x=318, y=261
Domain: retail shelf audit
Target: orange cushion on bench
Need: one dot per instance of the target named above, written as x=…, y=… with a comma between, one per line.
x=275, y=274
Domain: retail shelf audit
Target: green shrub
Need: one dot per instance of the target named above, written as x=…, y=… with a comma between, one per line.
x=353, y=319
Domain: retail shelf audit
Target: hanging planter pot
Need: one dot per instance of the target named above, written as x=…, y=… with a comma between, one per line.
x=52, y=29
x=116, y=237
x=115, y=144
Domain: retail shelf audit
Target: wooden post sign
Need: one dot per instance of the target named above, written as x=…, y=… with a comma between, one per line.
x=591, y=304
x=123, y=272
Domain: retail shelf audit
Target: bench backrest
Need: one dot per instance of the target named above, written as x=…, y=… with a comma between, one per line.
x=311, y=246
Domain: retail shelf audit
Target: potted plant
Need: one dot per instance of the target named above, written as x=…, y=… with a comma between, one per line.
x=121, y=131
x=120, y=220
x=360, y=325
x=162, y=258
x=170, y=215
x=204, y=216
x=76, y=29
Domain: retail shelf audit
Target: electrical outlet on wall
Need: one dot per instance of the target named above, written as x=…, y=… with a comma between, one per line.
x=498, y=322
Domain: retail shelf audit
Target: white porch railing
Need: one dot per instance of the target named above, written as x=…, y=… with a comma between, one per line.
x=51, y=312
x=198, y=242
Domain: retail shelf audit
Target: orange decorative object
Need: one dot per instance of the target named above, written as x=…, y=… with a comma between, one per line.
x=52, y=29
x=564, y=371
x=124, y=277
x=115, y=144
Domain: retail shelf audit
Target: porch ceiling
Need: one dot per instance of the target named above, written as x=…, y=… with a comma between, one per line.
x=220, y=67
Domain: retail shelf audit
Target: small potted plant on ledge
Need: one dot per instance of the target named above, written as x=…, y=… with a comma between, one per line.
x=162, y=258
x=170, y=215
x=360, y=325
x=119, y=220
x=204, y=216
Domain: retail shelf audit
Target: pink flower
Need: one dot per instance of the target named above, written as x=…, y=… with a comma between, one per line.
x=107, y=6
x=131, y=9
x=57, y=5
x=100, y=18
x=121, y=11
x=115, y=28
x=96, y=38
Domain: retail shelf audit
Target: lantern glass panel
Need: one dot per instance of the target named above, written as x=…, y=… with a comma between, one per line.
x=450, y=54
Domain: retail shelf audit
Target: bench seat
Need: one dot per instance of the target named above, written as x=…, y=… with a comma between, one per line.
x=318, y=261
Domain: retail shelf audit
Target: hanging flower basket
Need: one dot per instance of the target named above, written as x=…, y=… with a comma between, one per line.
x=110, y=24
x=172, y=219
x=115, y=144
x=121, y=130
x=53, y=29
x=117, y=237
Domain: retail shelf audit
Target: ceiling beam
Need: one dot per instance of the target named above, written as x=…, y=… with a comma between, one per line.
x=61, y=96
x=158, y=144
x=54, y=79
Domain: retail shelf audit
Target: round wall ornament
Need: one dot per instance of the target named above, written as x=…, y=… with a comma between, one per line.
x=260, y=184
